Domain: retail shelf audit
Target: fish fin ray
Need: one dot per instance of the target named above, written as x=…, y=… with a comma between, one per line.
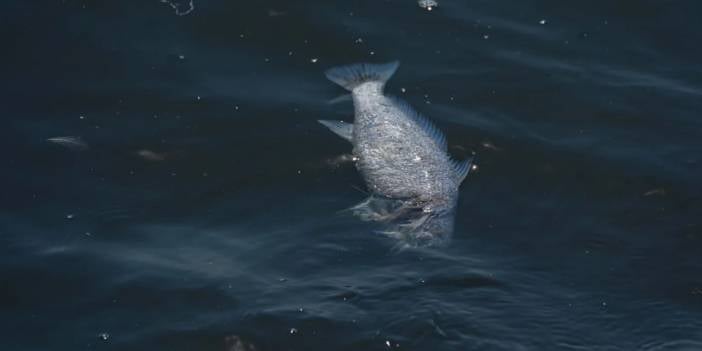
x=340, y=128
x=426, y=124
x=462, y=168
x=352, y=76
x=340, y=99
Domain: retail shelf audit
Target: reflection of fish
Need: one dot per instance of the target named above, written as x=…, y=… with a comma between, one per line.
x=70, y=142
x=401, y=156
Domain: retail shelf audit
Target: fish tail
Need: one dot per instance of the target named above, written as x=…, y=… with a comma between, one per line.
x=352, y=76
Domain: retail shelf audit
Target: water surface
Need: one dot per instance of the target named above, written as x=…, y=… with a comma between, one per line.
x=207, y=203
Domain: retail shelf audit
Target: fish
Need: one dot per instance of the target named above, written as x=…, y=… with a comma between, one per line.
x=402, y=157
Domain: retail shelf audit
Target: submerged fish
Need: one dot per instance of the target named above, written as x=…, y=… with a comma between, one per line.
x=401, y=156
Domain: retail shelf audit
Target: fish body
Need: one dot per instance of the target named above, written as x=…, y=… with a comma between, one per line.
x=400, y=154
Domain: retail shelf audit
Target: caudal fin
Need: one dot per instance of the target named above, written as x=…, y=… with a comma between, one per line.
x=352, y=76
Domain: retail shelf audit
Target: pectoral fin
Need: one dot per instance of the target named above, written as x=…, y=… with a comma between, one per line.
x=425, y=124
x=340, y=128
x=462, y=168
x=340, y=99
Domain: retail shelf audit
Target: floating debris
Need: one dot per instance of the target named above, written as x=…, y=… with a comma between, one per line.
x=276, y=13
x=151, y=155
x=428, y=4
x=293, y=331
x=104, y=336
x=181, y=7
x=658, y=191
x=542, y=22
x=71, y=142
x=489, y=145
x=459, y=148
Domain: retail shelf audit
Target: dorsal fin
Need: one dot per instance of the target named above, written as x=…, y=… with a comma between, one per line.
x=428, y=126
x=462, y=168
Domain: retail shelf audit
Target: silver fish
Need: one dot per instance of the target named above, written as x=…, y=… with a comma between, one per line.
x=401, y=156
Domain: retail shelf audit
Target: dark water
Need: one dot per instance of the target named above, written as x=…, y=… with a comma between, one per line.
x=207, y=203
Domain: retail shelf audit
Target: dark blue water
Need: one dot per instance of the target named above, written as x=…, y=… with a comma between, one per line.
x=204, y=211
